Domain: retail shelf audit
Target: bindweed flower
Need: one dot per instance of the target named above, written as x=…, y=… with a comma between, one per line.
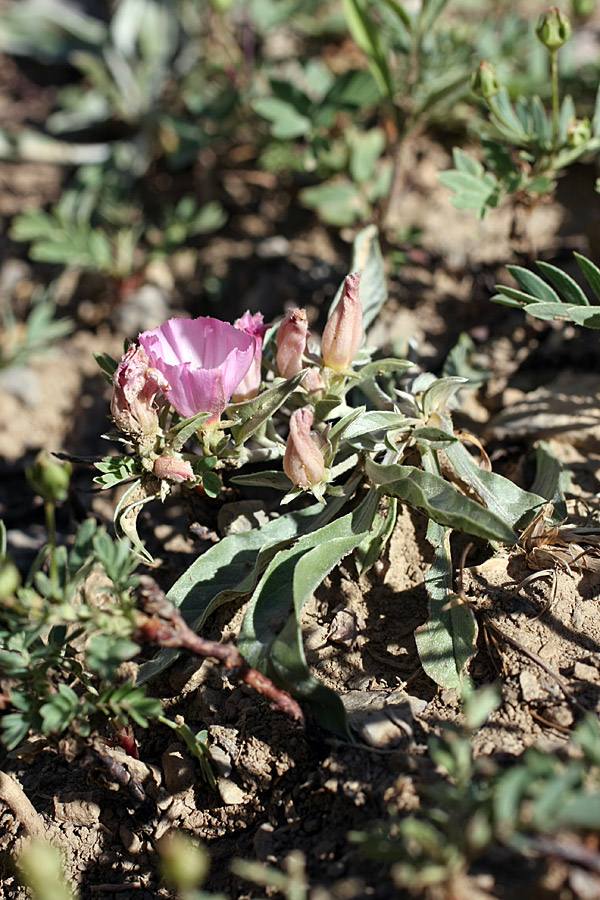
x=173, y=468
x=484, y=81
x=135, y=385
x=291, y=342
x=344, y=330
x=553, y=29
x=249, y=385
x=203, y=360
x=303, y=460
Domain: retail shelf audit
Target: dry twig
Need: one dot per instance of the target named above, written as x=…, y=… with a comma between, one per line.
x=163, y=624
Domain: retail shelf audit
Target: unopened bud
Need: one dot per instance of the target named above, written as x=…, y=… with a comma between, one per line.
x=49, y=478
x=579, y=132
x=173, y=468
x=484, y=81
x=553, y=29
x=303, y=461
x=313, y=382
x=135, y=385
x=184, y=862
x=344, y=330
x=10, y=578
x=291, y=343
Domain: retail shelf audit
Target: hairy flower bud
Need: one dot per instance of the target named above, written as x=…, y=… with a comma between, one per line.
x=173, y=468
x=49, y=477
x=484, y=81
x=135, y=385
x=303, y=461
x=344, y=330
x=553, y=29
x=250, y=383
x=291, y=342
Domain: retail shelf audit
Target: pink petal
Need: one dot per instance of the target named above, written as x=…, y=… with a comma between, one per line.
x=203, y=359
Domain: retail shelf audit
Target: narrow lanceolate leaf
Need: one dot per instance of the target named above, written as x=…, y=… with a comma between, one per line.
x=439, y=500
x=253, y=413
x=446, y=642
x=365, y=33
x=509, y=502
x=226, y=571
x=564, y=284
x=270, y=637
x=591, y=272
x=532, y=284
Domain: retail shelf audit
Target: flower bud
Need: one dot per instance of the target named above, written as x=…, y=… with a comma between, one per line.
x=579, y=132
x=313, y=382
x=49, y=478
x=135, y=385
x=173, y=468
x=484, y=81
x=10, y=578
x=249, y=385
x=553, y=29
x=184, y=861
x=291, y=342
x=344, y=330
x=303, y=461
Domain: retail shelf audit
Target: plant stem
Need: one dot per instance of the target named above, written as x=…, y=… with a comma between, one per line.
x=555, y=98
x=50, y=515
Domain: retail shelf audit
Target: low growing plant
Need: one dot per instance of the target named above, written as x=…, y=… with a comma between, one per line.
x=364, y=434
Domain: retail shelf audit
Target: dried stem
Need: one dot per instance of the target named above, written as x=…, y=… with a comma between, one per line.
x=163, y=624
x=21, y=806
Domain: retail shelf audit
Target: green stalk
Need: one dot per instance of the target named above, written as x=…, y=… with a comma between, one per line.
x=50, y=516
x=555, y=97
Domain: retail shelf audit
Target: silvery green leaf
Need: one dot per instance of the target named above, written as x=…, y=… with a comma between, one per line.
x=275, y=479
x=515, y=506
x=289, y=580
x=252, y=413
x=446, y=642
x=439, y=500
x=436, y=398
x=231, y=569
x=184, y=430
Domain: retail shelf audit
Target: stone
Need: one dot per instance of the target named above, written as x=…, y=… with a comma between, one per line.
x=231, y=793
x=178, y=768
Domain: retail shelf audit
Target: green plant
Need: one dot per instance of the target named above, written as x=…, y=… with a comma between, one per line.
x=557, y=295
x=525, y=147
x=534, y=807
x=376, y=423
x=21, y=340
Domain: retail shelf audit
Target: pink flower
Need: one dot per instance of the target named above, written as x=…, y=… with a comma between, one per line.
x=303, y=460
x=249, y=385
x=135, y=385
x=291, y=343
x=344, y=330
x=203, y=360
